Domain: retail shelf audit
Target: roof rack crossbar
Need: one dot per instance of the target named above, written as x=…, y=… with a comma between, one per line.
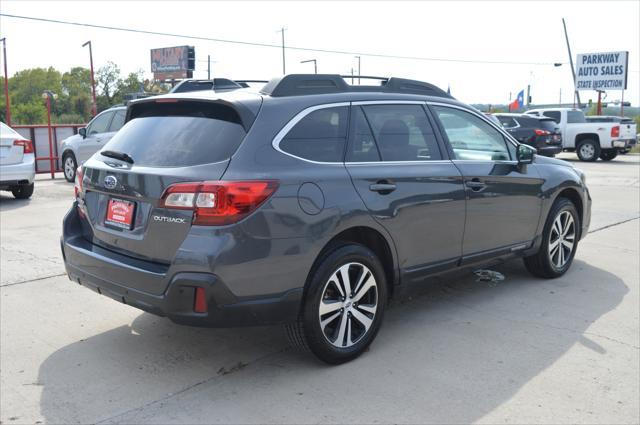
x=306, y=84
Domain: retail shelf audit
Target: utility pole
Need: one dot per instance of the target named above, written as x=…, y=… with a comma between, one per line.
x=94, y=105
x=208, y=67
x=284, y=69
x=359, y=73
x=573, y=71
x=6, y=82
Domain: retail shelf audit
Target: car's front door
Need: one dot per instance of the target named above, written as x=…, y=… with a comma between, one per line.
x=95, y=136
x=504, y=199
x=401, y=173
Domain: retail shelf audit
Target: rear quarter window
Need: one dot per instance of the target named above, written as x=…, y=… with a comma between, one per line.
x=319, y=136
x=179, y=134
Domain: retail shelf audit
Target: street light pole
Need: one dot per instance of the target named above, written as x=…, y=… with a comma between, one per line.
x=315, y=64
x=6, y=82
x=94, y=105
x=359, y=73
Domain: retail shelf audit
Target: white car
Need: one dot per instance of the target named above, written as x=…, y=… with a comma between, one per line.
x=17, y=163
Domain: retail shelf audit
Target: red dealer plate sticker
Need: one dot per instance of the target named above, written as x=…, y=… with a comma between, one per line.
x=120, y=213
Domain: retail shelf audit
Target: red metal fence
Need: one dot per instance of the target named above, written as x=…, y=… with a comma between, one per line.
x=47, y=150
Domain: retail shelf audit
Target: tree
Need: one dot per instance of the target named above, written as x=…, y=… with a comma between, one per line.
x=107, y=82
x=34, y=112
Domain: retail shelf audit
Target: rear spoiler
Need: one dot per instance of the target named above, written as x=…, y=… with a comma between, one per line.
x=167, y=106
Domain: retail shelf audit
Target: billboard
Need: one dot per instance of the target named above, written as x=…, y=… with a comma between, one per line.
x=173, y=63
x=602, y=71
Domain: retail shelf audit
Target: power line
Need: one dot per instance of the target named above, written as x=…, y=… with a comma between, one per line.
x=249, y=43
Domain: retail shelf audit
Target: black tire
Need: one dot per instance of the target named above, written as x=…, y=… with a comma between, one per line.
x=541, y=263
x=309, y=333
x=608, y=154
x=588, y=150
x=69, y=172
x=23, y=192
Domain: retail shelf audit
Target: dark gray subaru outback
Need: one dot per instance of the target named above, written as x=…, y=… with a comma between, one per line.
x=309, y=204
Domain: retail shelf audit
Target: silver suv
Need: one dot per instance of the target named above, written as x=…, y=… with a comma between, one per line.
x=89, y=140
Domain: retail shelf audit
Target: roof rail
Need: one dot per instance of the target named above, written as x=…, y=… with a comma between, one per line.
x=305, y=84
x=245, y=83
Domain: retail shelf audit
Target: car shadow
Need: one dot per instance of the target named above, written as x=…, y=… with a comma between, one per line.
x=447, y=353
x=9, y=202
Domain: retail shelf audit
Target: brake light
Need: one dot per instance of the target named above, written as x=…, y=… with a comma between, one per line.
x=542, y=132
x=77, y=185
x=615, y=131
x=26, y=144
x=217, y=203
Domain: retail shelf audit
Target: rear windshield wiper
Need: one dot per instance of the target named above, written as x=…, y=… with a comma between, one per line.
x=118, y=155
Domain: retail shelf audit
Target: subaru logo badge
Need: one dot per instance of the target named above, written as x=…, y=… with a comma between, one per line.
x=110, y=182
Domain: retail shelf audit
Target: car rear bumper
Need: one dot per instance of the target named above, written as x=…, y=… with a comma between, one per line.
x=547, y=150
x=622, y=144
x=16, y=174
x=107, y=273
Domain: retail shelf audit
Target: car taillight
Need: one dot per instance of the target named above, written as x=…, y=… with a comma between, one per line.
x=615, y=131
x=26, y=144
x=541, y=132
x=77, y=186
x=218, y=203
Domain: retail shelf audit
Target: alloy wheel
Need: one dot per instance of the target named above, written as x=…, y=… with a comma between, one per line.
x=348, y=305
x=562, y=239
x=69, y=169
x=587, y=150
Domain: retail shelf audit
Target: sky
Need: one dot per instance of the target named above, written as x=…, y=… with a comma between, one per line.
x=500, y=31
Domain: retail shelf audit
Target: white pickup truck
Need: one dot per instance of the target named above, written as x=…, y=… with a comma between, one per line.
x=590, y=140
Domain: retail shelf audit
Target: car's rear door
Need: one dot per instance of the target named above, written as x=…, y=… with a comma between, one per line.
x=504, y=199
x=407, y=182
x=169, y=142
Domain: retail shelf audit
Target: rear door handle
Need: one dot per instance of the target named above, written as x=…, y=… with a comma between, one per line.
x=475, y=184
x=382, y=187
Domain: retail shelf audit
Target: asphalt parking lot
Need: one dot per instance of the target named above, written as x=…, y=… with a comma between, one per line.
x=521, y=350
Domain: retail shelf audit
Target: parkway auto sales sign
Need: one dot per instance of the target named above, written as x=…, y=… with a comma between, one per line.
x=602, y=71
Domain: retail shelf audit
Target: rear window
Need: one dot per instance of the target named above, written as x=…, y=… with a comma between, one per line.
x=179, y=134
x=554, y=115
x=549, y=125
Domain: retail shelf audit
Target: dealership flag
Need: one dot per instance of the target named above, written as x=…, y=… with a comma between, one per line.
x=518, y=103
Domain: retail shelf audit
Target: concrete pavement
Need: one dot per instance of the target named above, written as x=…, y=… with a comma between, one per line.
x=522, y=350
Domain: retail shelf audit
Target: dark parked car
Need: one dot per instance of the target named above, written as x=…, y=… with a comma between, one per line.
x=310, y=204
x=540, y=133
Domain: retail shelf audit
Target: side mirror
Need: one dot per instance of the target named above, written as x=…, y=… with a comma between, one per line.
x=525, y=154
x=83, y=132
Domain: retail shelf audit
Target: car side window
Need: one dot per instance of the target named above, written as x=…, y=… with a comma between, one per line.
x=554, y=115
x=319, y=136
x=118, y=120
x=402, y=132
x=362, y=146
x=471, y=138
x=100, y=123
